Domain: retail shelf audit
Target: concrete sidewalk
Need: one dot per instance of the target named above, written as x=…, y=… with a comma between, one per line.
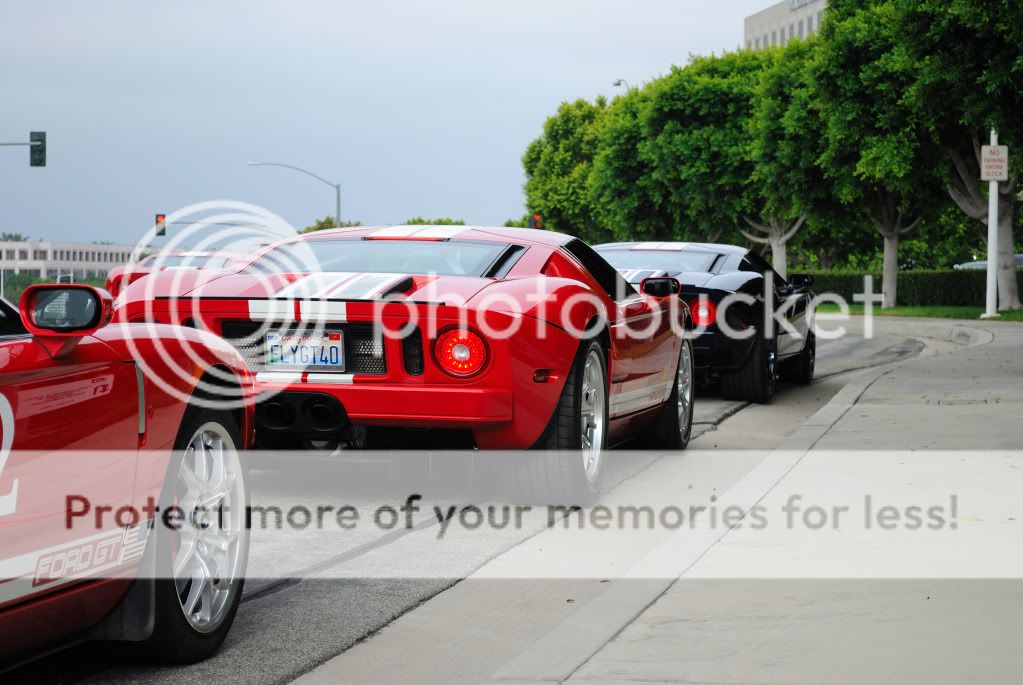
x=851, y=604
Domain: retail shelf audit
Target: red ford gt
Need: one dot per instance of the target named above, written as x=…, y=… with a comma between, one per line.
x=95, y=429
x=122, y=276
x=504, y=338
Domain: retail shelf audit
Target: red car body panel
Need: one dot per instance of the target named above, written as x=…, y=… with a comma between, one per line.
x=71, y=426
x=504, y=406
x=121, y=277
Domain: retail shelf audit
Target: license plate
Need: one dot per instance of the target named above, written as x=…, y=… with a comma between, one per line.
x=285, y=351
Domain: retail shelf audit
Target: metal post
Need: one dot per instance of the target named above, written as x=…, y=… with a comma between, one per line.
x=337, y=214
x=991, y=308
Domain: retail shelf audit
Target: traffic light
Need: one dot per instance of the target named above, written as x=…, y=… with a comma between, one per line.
x=37, y=151
x=161, y=224
x=536, y=221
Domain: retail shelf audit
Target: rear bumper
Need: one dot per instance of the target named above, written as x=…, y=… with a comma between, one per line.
x=713, y=351
x=406, y=405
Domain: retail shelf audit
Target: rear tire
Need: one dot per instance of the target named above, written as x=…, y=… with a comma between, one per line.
x=674, y=424
x=800, y=369
x=754, y=381
x=566, y=466
x=216, y=532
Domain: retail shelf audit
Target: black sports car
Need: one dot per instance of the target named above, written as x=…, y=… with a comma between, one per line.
x=746, y=361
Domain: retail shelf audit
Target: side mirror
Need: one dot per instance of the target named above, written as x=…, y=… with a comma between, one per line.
x=60, y=315
x=660, y=286
x=801, y=280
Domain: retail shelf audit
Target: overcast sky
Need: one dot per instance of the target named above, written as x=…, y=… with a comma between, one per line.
x=416, y=108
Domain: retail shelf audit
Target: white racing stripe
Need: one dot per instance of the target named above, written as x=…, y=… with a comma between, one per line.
x=440, y=232
x=314, y=284
x=330, y=378
x=396, y=232
x=662, y=246
x=272, y=310
x=322, y=311
x=279, y=377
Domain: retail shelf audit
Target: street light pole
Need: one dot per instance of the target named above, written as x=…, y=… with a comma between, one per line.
x=335, y=186
x=622, y=82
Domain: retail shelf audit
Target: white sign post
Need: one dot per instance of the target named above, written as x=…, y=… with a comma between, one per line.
x=994, y=167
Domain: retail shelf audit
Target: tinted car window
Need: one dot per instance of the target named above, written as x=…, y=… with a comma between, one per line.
x=616, y=287
x=10, y=322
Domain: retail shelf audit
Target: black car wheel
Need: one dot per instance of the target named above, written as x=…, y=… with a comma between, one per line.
x=567, y=464
x=675, y=422
x=800, y=368
x=201, y=564
x=754, y=381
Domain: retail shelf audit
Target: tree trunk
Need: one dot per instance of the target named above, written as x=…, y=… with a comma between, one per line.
x=1008, y=284
x=776, y=233
x=779, y=254
x=890, y=274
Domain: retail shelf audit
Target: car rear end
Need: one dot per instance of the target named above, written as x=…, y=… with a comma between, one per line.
x=336, y=353
x=704, y=288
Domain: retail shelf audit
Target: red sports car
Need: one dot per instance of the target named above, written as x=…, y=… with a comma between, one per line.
x=122, y=276
x=96, y=430
x=494, y=337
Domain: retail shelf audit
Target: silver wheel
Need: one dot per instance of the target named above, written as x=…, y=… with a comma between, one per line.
x=684, y=383
x=209, y=556
x=592, y=408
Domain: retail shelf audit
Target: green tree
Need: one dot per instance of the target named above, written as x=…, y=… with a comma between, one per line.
x=785, y=132
x=879, y=154
x=698, y=141
x=623, y=189
x=518, y=223
x=420, y=221
x=327, y=222
x=969, y=79
x=558, y=166
x=13, y=237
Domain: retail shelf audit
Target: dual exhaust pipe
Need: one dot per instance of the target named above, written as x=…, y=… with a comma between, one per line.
x=307, y=414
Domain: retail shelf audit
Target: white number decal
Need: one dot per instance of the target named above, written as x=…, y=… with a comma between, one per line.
x=9, y=501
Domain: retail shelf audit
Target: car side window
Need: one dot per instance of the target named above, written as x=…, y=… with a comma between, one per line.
x=10, y=321
x=754, y=262
x=612, y=282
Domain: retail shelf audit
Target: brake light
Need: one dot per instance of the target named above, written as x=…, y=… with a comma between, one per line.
x=460, y=352
x=704, y=312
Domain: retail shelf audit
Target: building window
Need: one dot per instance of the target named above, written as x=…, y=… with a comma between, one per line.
x=809, y=24
x=39, y=255
x=756, y=43
x=820, y=18
x=801, y=28
x=749, y=45
x=23, y=254
x=774, y=37
x=792, y=31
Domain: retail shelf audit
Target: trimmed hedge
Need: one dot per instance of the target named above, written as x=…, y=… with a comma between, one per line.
x=946, y=288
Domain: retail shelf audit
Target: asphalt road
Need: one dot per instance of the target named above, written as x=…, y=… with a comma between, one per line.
x=315, y=592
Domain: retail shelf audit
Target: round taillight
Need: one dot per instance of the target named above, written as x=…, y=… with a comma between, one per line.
x=704, y=312
x=460, y=352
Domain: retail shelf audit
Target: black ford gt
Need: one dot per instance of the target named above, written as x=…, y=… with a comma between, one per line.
x=737, y=344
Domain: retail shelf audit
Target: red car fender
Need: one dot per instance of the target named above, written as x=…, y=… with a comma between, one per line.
x=167, y=388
